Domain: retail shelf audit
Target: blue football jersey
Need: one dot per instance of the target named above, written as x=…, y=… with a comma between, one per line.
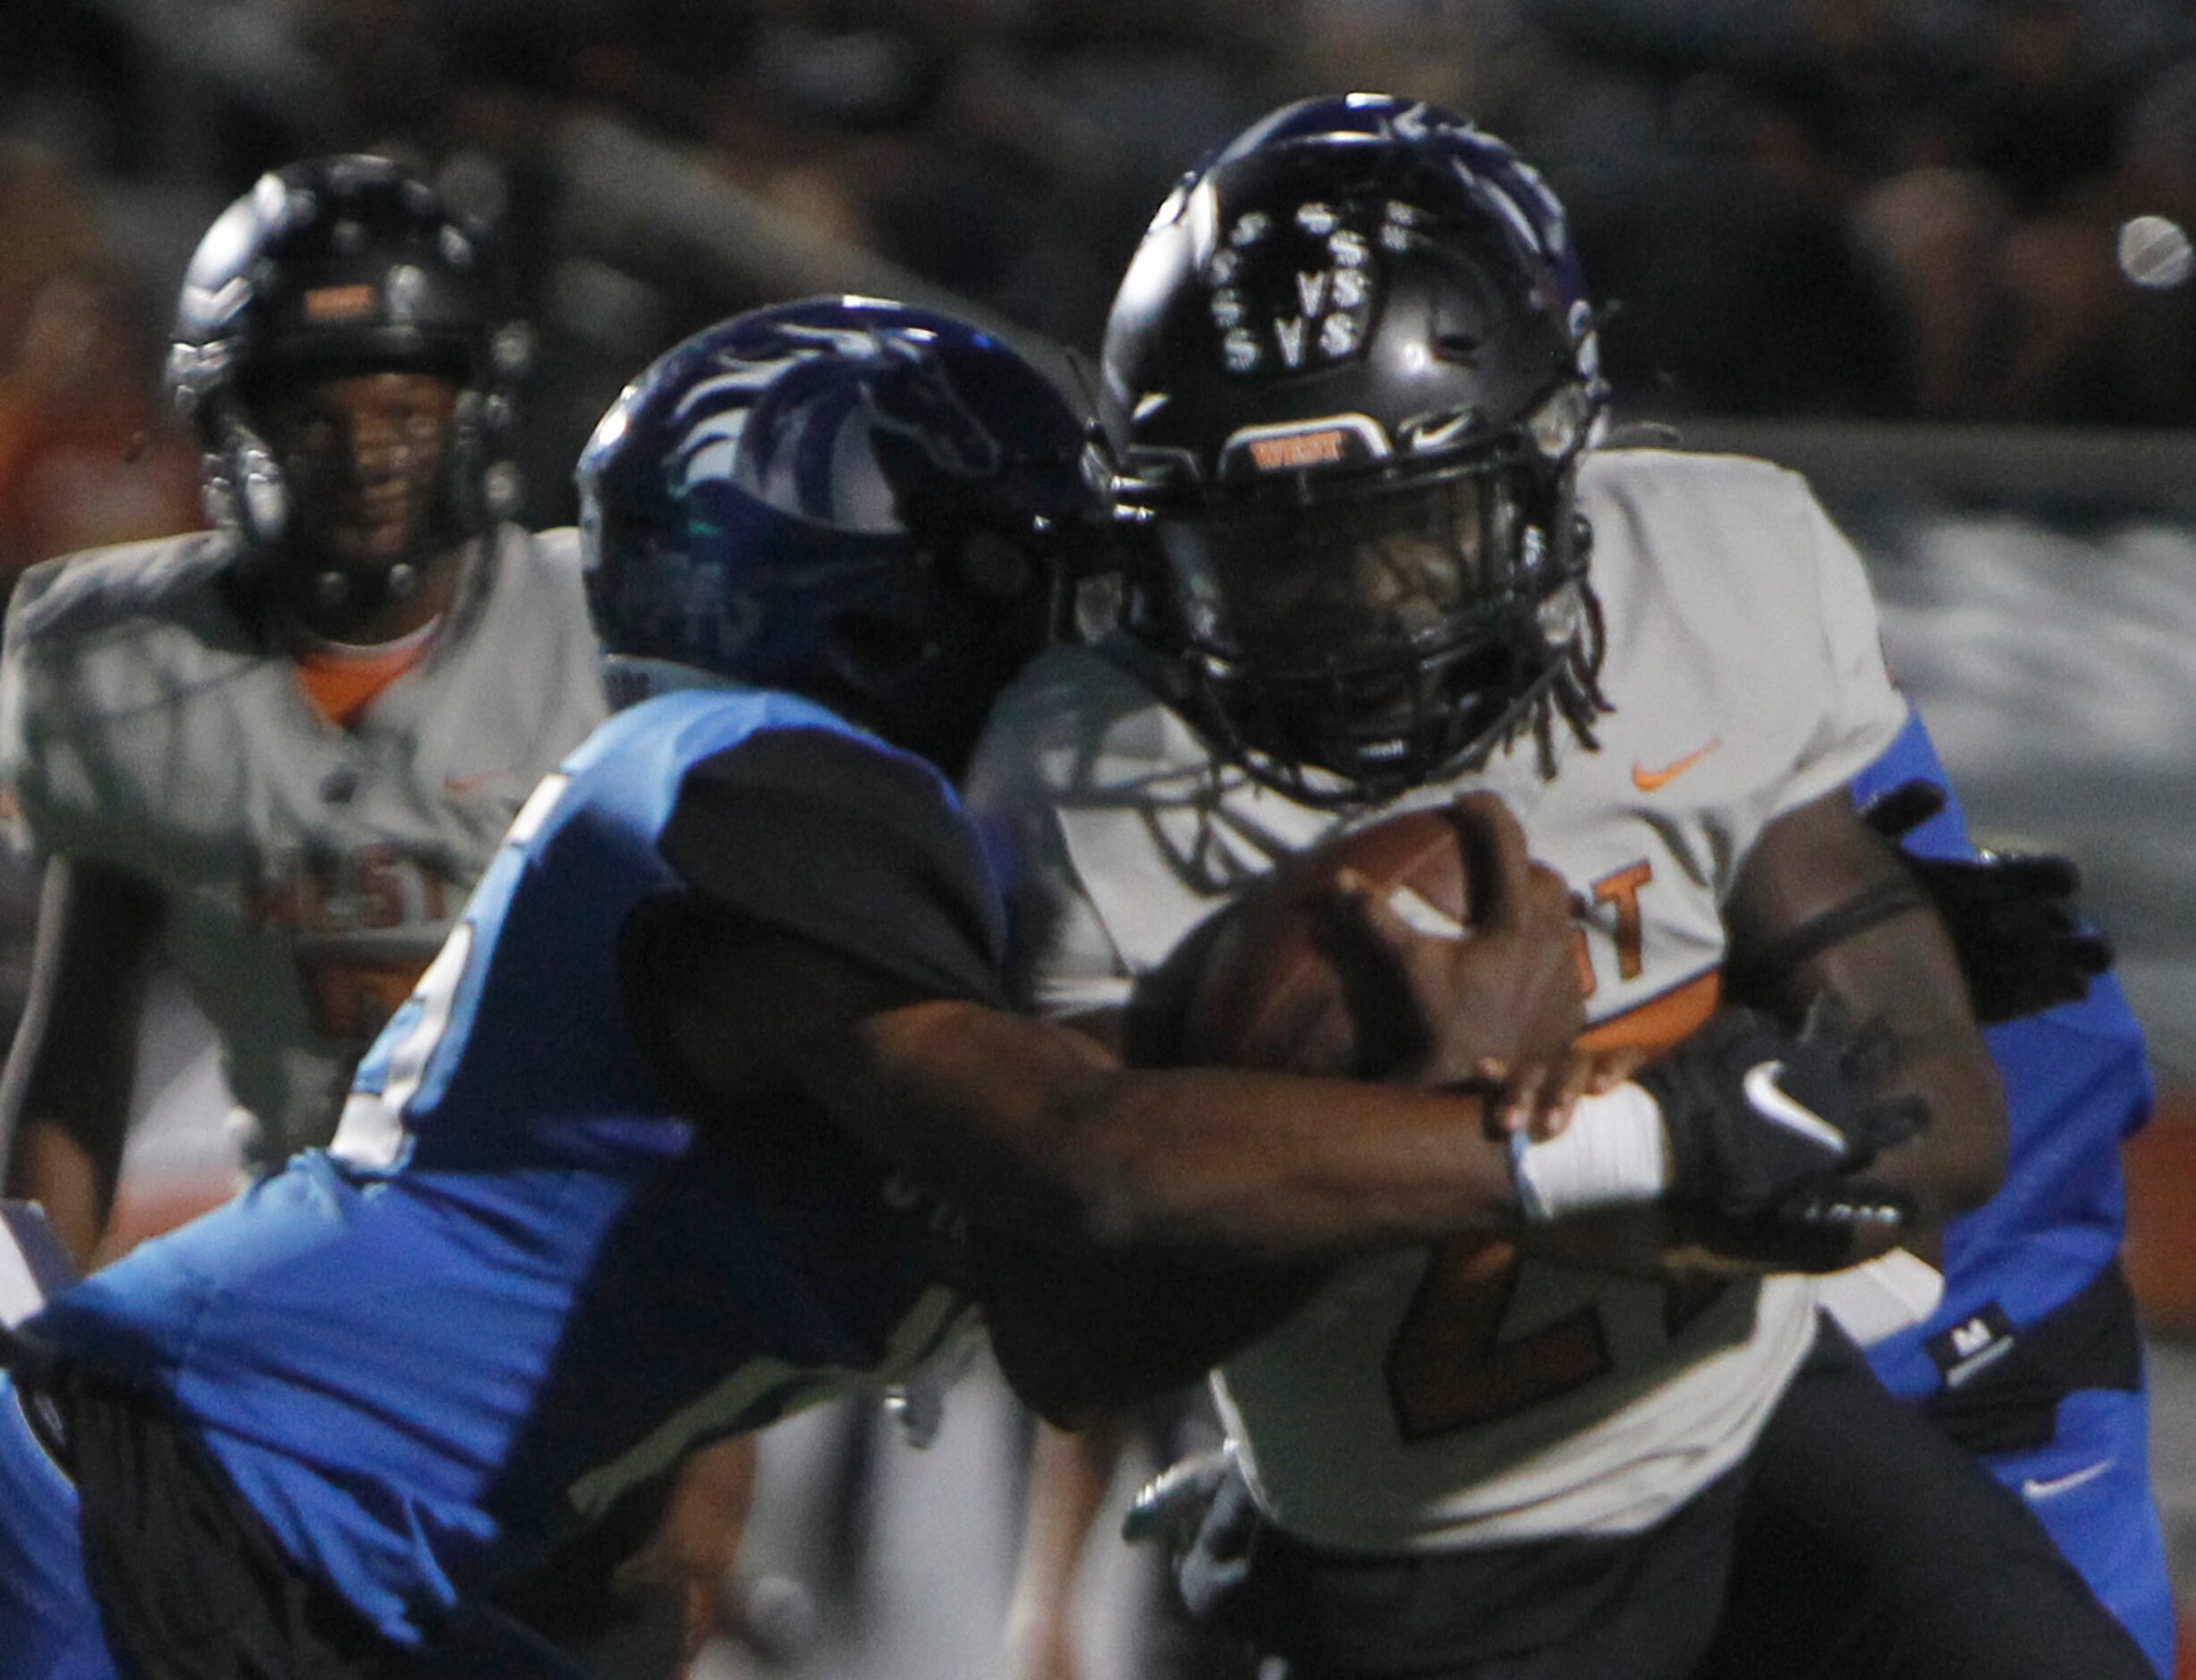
x=522, y=1281
x=2077, y=1082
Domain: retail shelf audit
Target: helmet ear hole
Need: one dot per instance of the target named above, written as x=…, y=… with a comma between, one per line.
x=259, y=494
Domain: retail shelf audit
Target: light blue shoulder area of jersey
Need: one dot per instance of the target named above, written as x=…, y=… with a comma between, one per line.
x=419, y=1365
x=531, y=965
x=2077, y=1082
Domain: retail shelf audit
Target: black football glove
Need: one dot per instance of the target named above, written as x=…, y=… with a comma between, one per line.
x=2011, y=915
x=1767, y=1126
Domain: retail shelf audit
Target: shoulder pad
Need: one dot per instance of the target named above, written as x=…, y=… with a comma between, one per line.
x=81, y=595
x=1629, y=466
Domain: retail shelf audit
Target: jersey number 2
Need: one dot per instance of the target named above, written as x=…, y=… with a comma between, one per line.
x=1446, y=1367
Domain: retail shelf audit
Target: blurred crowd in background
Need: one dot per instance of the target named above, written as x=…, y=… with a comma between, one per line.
x=1849, y=207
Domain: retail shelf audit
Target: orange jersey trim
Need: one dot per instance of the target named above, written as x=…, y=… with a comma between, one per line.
x=1663, y=1022
x=342, y=686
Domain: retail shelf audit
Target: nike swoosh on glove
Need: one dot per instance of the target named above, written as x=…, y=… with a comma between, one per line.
x=1755, y=1114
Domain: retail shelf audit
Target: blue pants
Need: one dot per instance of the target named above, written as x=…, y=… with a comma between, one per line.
x=2091, y=1489
x=49, y=1625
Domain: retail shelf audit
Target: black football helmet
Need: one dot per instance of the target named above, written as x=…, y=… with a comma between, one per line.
x=335, y=266
x=848, y=498
x=1346, y=382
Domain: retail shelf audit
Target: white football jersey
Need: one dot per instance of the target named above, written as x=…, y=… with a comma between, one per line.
x=311, y=871
x=1461, y=1394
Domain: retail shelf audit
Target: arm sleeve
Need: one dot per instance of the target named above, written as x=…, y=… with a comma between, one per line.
x=836, y=838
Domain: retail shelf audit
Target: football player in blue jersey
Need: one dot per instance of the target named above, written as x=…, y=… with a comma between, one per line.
x=710, y=1109
x=2033, y=1358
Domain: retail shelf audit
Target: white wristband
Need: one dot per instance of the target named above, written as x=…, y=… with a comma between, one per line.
x=1611, y=1154
x=1892, y=1292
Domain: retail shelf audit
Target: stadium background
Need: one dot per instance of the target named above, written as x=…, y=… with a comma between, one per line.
x=1927, y=250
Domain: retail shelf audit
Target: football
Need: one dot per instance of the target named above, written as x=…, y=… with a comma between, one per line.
x=1266, y=983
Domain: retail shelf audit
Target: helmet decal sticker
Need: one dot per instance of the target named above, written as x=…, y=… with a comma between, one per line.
x=1307, y=273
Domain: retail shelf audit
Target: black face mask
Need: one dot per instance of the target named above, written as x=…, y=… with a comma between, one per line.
x=358, y=506
x=1381, y=635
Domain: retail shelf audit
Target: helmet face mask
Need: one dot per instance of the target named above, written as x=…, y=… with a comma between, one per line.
x=364, y=458
x=1347, y=380
x=1376, y=635
x=846, y=498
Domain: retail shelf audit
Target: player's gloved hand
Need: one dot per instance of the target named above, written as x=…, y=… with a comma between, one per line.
x=1760, y=1120
x=2011, y=915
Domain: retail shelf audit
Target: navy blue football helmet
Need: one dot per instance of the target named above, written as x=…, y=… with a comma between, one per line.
x=1346, y=382
x=847, y=498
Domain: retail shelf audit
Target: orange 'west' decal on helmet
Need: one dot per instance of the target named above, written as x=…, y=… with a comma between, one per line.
x=1300, y=449
x=339, y=303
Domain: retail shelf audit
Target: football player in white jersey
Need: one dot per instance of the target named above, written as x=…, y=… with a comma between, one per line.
x=1351, y=384
x=280, y=752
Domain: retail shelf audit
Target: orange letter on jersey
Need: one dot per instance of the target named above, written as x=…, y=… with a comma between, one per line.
x=1622, y=889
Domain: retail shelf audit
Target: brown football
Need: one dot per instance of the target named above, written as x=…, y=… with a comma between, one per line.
x=1258, y=985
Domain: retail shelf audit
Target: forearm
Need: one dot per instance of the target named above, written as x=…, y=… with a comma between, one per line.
x=1902, y=980
x=1043, y=1128
x=64, y=1098
x=1897, y=977
x=1958, y=1161
x=1279, y=1166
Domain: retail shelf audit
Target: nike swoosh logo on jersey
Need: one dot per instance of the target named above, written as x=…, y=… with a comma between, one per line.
x=2045, y=1489
x=1647, y=781
x=1773, y=1104
x=458, y=786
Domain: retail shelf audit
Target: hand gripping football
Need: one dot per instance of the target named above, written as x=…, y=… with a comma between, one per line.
x=1283, y=978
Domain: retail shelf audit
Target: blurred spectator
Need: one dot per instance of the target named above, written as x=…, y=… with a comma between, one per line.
x=1937, y=233
x=2032, y=313
x=1847, y=207
x=48, y=226
x=86, y=456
